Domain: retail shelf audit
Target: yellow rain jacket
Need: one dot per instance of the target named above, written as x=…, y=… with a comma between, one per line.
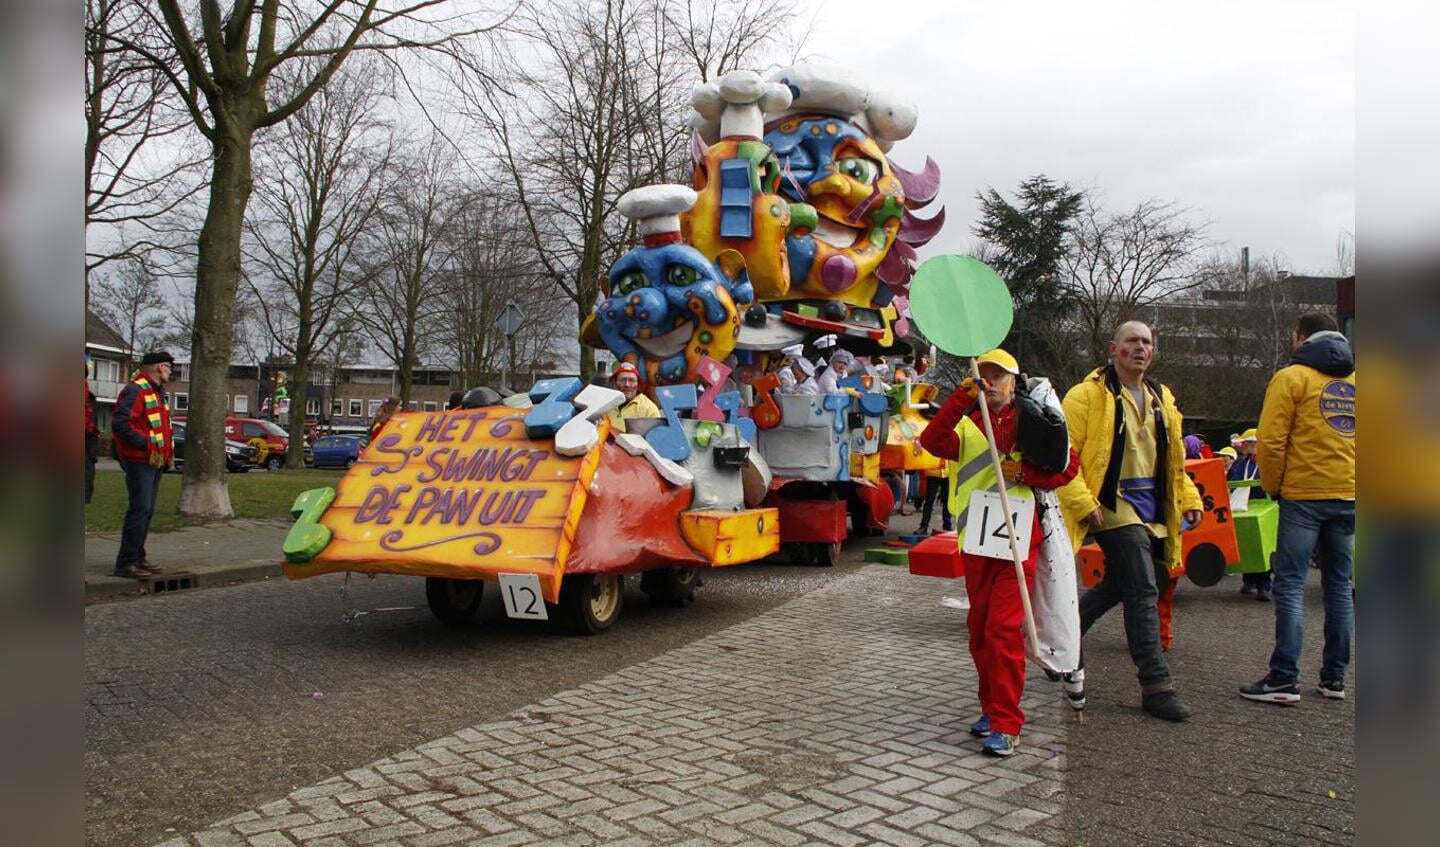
x=1090, y=414
x=1305, y=446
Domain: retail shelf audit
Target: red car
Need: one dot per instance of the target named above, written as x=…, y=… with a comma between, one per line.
x=267, y=437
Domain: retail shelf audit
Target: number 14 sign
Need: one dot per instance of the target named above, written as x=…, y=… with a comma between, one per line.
x=985, y=533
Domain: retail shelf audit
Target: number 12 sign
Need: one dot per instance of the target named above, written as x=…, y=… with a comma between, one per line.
x=985, y=532
x=521, y=592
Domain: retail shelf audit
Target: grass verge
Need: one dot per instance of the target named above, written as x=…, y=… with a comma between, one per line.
x=257, y=494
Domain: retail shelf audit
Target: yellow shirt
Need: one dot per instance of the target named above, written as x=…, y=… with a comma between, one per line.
x=1138, y=461
x=639, y=407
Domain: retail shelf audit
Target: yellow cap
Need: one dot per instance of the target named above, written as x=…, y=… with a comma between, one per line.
x=1001, y=358
x=1228, y=451
x=1249, y=435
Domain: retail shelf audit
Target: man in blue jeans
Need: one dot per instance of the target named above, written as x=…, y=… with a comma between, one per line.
x=1307, y=461
x=140, y=424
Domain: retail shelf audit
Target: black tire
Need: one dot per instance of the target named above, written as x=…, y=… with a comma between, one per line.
x=671, y=586
x=827, y=554
x=800, y=554
x=454, y=601
x=349, y=462
x=591, y=603
x=1205, y=565
x=274, y=463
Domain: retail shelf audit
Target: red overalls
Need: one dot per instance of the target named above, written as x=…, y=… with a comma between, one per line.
x=997, y=614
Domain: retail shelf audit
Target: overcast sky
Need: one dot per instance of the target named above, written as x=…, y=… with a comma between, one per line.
x=1243, y=112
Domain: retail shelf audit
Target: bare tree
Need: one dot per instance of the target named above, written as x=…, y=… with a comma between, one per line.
x=229, y=86
x=716, y=38
x=319, y=181
x=1119, y=263
x=1345, y=254
x=129, y=299
x=492, y=263
x=138, y=171
x=596, y=102
x=409, y=261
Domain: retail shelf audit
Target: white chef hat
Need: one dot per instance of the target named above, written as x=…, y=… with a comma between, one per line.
x=806, y=365
x=656, y=209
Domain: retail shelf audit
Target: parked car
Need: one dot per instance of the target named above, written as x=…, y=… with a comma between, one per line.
x=337, y=451
x=239, y=456
x=269, y=439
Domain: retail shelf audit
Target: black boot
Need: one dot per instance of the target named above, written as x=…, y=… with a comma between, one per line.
x=1165, y=705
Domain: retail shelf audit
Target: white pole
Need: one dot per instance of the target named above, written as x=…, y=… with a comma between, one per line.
x=1009, y=519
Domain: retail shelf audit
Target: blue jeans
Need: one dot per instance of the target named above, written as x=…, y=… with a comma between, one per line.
x=1306, y=525
x=143, y=484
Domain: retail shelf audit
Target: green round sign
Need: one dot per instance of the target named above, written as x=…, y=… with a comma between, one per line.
x=961, y=305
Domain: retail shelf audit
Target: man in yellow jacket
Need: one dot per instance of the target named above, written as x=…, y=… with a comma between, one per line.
x=1306, y=453
x=626, y=378
x=1133, y=495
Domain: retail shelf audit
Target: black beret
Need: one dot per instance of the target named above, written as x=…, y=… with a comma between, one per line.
x=157, y=357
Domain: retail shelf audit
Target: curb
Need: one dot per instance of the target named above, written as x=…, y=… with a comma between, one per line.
x=112, y=587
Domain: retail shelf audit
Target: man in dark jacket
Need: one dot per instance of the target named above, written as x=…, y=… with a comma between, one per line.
x=143, y=444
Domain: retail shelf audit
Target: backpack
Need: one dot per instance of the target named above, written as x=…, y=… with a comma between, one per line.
x=1040, y=431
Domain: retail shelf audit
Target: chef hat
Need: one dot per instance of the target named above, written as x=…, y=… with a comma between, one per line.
x=836, y=90
x=806, y=365
x=657, y=208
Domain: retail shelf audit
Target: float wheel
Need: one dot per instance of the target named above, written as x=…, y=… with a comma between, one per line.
x=454, y=601
x=671, y=586
x=591, y=603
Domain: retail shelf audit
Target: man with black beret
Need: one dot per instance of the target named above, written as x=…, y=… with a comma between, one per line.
x=144, y=446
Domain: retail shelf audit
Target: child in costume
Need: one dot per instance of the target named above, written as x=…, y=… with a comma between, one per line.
x=995, y=621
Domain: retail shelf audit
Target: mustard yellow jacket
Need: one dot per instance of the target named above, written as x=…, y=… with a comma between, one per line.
x=1305, y=444
x=1090, y=416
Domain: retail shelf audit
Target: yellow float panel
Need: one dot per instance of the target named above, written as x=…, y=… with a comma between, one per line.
x=729, y=538
x=463, y=494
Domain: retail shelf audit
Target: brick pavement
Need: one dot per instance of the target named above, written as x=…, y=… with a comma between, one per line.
x=1238, y=773
x=838, y=718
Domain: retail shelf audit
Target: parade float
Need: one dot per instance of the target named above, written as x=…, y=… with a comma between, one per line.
x=796, y=240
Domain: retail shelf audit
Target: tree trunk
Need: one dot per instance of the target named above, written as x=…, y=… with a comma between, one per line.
x=203, y=493
x=299, y=384
x=587, y=353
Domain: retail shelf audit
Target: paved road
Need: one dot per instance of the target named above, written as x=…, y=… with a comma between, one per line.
x=790, y=705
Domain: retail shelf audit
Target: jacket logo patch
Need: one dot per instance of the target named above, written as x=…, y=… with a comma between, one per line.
x=1337, y=406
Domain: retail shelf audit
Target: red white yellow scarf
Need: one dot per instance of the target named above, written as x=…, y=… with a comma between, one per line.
x=153, y=406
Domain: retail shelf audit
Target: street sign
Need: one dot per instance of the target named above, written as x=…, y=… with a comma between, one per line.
x=510, y=319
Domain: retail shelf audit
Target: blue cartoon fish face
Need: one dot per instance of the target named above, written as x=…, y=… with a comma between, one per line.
x=668, y=307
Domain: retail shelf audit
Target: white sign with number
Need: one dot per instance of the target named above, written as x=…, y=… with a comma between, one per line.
x=523, y=599
x=985, y=532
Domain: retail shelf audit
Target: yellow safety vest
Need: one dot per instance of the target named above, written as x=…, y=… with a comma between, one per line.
x=974, y=471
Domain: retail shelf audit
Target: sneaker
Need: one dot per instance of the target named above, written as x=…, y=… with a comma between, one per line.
x=1247, y=588
x=1263, y=595
x=1074, y=685
x=923, y=530
x=1000, y=744
x=981, y=728
x=1331, y=690
x=1165, y=705
x=1266, y=691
